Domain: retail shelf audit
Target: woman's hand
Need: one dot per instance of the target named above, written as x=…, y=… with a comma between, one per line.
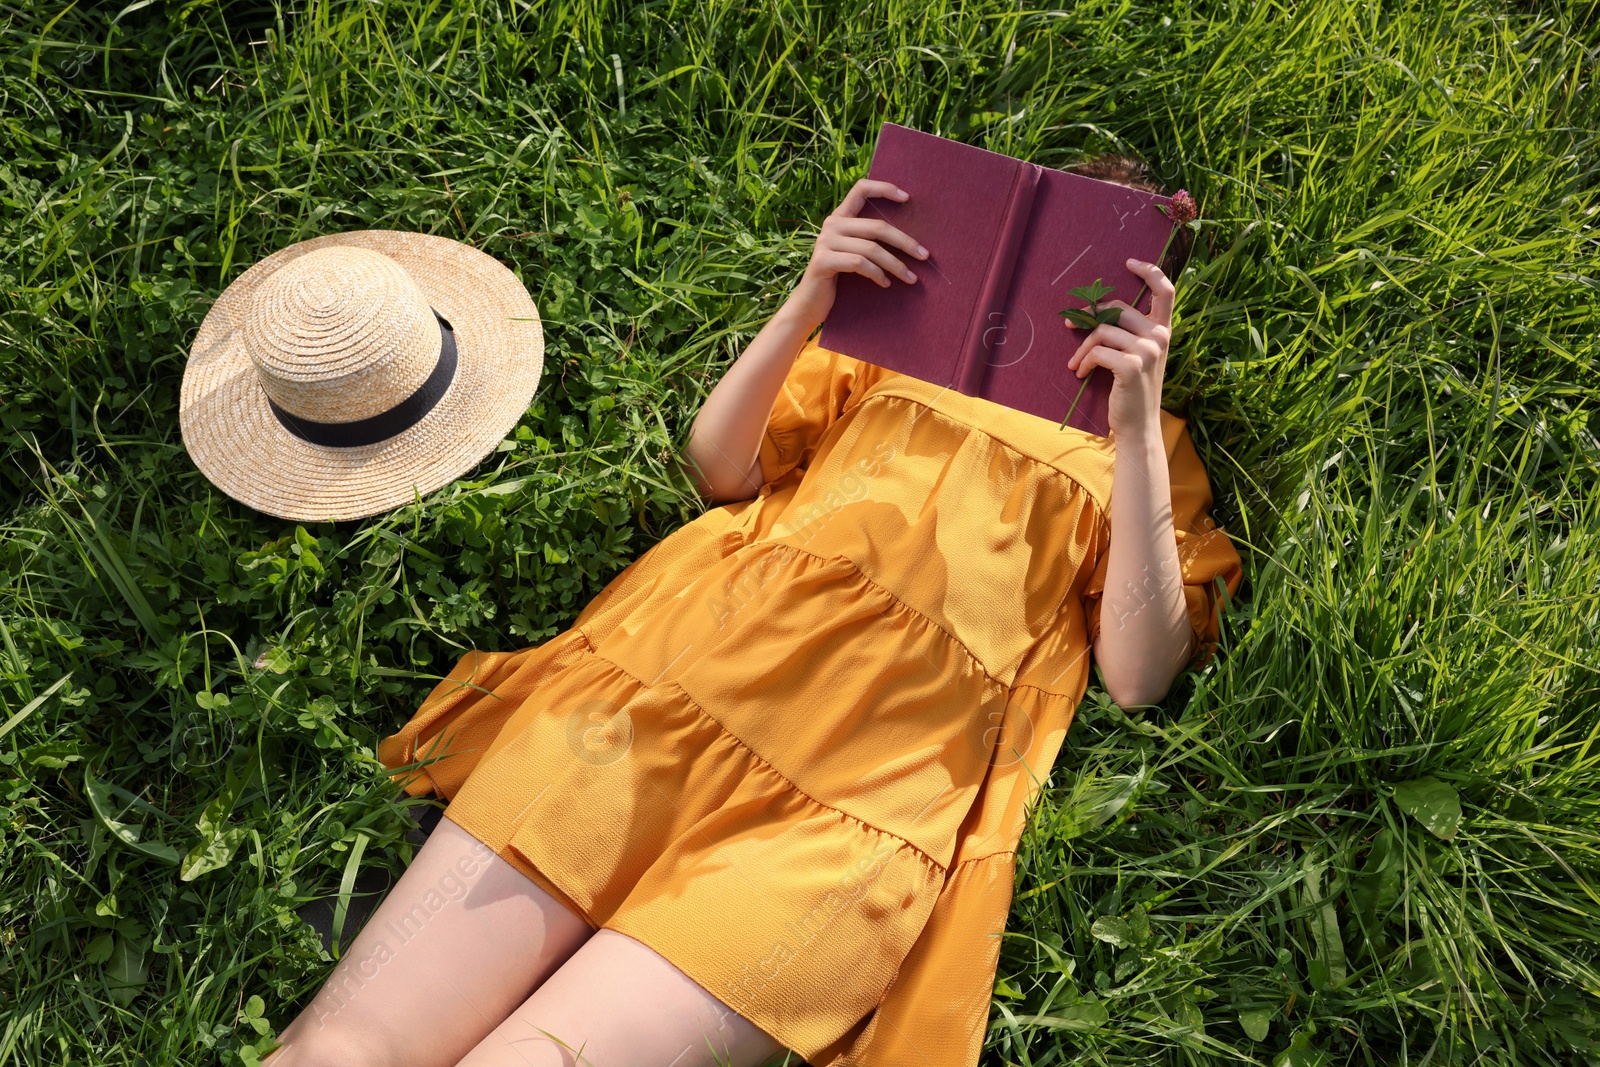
x=1135, y=352
x=849, y=244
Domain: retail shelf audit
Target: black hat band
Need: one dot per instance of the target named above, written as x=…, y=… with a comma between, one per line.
x=385, y=424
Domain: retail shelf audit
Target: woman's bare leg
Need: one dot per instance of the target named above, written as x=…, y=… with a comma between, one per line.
x=459, y=942
x=617, y=1003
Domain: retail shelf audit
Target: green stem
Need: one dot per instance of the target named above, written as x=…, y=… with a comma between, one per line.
x=1083, y=383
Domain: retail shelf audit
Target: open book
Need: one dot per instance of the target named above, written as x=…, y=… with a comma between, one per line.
x=1006, y=240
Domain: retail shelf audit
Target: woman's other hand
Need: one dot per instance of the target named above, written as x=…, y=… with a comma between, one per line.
x=850, y=244
x=1135, y=352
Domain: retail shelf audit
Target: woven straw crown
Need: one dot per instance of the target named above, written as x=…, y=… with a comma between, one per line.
x=341, y=334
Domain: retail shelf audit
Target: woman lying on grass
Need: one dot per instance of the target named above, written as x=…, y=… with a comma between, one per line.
x=766, y=793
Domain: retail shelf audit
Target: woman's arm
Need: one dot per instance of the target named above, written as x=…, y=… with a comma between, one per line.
x=724, y=444
x=1144, y=620
x=1144, y=636
x=724, y=450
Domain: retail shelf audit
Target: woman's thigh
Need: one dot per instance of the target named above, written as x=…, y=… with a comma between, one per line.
x=458, y=943
x=617, y=1003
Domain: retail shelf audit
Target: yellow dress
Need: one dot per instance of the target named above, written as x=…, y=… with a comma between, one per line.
x=791, y=746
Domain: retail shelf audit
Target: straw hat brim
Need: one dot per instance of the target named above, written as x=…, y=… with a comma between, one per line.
x=237, y=442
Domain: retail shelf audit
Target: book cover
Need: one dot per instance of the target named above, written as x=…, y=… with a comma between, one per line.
x=1006, y=240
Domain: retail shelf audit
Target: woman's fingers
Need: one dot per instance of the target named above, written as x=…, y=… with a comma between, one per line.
x=1134, y=321
x=873, y=251
x=1161, y=290
x=856, y=198
x=1119, y=363
x=1116, y=337
x=836, y=262
x=877, y=230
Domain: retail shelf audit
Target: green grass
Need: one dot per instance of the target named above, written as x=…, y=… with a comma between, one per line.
x=1367, y=833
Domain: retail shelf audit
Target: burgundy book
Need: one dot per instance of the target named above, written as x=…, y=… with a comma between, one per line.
x=1006, y=240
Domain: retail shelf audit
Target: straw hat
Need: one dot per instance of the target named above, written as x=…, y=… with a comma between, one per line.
x=351, y=373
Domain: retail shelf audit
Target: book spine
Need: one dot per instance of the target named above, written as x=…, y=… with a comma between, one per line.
x=996, y=286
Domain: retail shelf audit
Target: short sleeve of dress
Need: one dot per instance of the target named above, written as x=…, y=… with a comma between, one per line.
x=816, y=391
x=1205, y=552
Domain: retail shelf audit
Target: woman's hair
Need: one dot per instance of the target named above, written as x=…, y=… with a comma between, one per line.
x=1125, y=170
